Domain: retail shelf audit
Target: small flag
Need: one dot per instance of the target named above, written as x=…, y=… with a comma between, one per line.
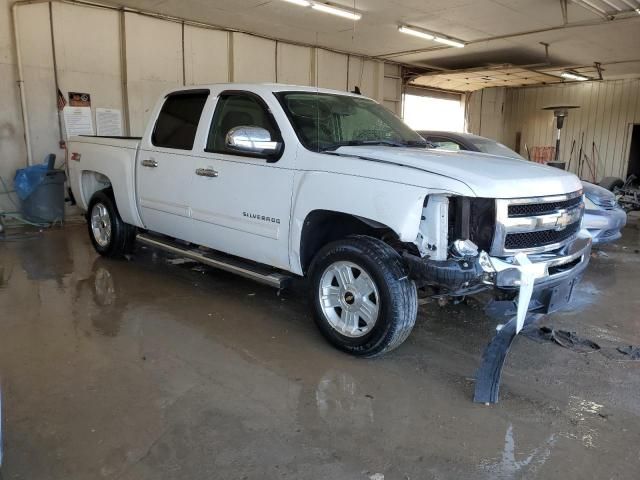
x=61, y=101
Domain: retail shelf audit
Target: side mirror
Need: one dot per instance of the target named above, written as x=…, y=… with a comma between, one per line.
x=255, y=140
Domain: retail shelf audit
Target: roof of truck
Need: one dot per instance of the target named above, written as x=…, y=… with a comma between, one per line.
x=265, y=88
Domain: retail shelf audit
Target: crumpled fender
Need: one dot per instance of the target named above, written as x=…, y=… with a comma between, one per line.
x=395, y=205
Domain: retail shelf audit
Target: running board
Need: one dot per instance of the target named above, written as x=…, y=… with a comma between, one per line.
x=259, y=273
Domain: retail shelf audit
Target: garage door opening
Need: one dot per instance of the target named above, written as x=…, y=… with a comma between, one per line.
x=432, y=110
x=634, y=152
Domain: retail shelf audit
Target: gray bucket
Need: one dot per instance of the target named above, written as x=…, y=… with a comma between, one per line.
x=46, y=202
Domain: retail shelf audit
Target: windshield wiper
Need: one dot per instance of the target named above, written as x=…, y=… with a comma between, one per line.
x=388, y=143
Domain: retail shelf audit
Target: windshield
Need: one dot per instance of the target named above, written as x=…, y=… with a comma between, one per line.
x=326, y=121
x=492, y=147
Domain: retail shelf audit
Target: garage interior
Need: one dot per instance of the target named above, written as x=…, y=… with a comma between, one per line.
x=158, y=367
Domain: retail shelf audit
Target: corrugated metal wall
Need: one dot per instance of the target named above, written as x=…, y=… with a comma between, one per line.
x=607, y=110
x=485, y=112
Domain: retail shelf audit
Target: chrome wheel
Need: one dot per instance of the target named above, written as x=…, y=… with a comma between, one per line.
x=101, y=224
x=349, y=299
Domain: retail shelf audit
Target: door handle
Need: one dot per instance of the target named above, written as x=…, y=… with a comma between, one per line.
x=206, y=172
x=149, y=163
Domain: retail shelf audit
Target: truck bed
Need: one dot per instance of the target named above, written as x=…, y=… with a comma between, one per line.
x=95, y=162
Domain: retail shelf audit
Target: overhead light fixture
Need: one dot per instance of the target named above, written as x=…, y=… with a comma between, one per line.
x=415, y=32
x=635, y=8
x=418, y=32
x=631, y=5
x=612, y=5
x=594, y=7
x=573, y=76
x=448, y=41
x=302, y=3
x=340, y=12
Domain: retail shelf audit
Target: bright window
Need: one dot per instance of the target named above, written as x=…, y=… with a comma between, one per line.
x=429, y=113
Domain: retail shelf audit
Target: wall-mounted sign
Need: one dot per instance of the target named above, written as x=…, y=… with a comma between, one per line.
x=77, y=99
x=109, y=122
x=77, y=121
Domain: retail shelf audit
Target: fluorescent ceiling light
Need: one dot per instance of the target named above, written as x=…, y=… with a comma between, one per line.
x=302, y=3
x=448, y=41
x=612, y=5
x=416, y=33
x=595, y=7
x=574, y=76
x=323, y=7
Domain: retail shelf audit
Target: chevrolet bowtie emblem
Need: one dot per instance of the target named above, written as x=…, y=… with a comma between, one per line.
x=564, y=220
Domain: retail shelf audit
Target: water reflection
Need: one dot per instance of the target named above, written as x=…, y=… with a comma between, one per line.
x=583, y=414
x=339, y=400
x=103, y=291
x=4, y=277
x=510, y=467
x=46, y=257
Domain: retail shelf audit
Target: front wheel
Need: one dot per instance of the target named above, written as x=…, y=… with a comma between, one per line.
x=110, y=236
x=364, y=304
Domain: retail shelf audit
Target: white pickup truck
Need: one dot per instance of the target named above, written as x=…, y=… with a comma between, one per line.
x=274, y=181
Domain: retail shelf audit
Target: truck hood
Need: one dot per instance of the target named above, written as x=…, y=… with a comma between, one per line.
x=489, y=176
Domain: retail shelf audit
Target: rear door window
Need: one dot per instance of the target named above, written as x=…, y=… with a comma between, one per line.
x=178, y=119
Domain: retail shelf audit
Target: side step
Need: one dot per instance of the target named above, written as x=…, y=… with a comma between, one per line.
x=253, y=271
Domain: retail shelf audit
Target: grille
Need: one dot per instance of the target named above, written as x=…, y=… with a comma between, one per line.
x=539, y=238
x=531, y=209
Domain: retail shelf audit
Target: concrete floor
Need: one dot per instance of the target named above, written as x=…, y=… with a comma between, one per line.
x=156, y=369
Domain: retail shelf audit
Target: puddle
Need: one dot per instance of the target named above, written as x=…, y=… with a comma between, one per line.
x=584, y=414
x=514, y=463
x=585, y=295
x=338, y=397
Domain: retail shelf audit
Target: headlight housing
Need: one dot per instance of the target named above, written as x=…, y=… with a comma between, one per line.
x=590, y=204
x=593, y=202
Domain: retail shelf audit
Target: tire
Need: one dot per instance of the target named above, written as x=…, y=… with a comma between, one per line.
x=365, y=316
x=611, y=183
x=110, y=236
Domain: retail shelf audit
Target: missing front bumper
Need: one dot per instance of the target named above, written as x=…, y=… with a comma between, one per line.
x=544, y=281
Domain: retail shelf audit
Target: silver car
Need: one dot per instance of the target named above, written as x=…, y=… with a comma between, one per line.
x=603, y=216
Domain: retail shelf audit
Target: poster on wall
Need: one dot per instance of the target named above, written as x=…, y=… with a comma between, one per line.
x=77, y=121
x=77, y=99
x=109, y=122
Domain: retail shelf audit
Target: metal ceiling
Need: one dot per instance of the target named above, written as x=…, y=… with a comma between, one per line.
x=495, y=31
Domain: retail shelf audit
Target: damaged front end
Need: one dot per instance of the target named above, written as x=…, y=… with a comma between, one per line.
x=530, y=252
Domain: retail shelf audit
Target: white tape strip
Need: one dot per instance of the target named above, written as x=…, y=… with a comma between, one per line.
x=528, y=274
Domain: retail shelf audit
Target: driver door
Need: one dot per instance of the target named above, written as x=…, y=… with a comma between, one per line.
x=241, y=203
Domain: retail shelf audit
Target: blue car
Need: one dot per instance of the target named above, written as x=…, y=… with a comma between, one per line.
x=603, y=216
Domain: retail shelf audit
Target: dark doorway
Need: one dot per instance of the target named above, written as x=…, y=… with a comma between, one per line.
x=634, y=152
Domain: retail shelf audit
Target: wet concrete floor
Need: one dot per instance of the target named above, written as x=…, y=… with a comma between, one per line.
x=155, y=368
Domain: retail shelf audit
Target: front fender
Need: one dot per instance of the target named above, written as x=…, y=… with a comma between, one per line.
x=395, y=205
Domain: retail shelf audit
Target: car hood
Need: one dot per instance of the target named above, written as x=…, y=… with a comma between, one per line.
x=489, y=176
x=597, y=194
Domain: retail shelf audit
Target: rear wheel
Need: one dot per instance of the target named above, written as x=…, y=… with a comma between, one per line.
x=110, y=236
x=611, y=183
x=364, y=304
